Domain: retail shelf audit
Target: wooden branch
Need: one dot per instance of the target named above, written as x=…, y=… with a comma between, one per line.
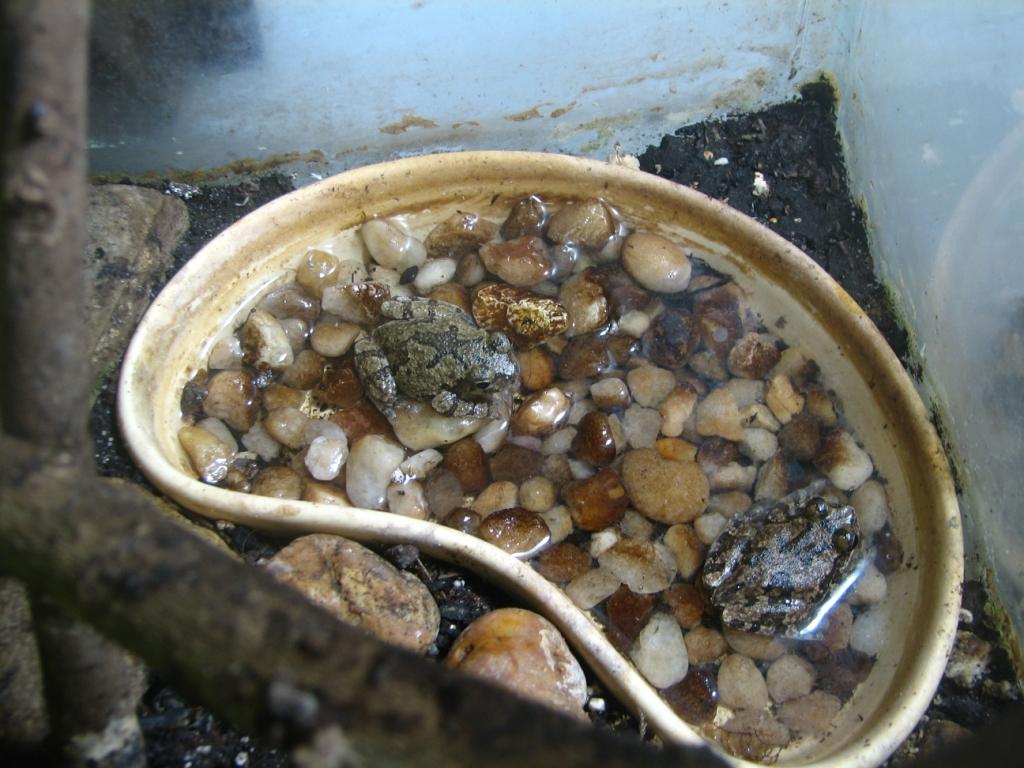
x=248, y=648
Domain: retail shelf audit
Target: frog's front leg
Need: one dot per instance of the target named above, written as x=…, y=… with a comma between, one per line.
x=375, y=372
x=447, y=403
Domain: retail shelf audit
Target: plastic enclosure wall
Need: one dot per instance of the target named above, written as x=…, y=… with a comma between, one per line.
x=931, y=111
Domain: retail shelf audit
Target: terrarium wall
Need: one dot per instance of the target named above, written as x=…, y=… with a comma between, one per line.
x=931, y=105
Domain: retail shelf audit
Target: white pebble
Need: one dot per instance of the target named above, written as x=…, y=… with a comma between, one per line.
x=315, y=428
x=844, y=462
x=641, y=425
x=603, y=540
x=708, y=526
x=788, y=677
x=391, y=245
x=225, y=354
x=635, y=525
x=537, y=494
x=635, y=323
x=288, y=426
x=220, y=430
x=758, y=444
x=580, y=470
x=332, y=340
x=419, y=465
x=389, y=277
x=746, y=392
x=371, y=463
x=872, y=505
x=590, y=588
x=559, y=522
x=676, y=410
x=408, y=500
x=810, y=715
x=609, y=394
x=729, y=503
x=646, y=568
x=351, y=271
x=718, y=415
x=870, y=588
x=649, y=384
x=660, y=652
x=296, y=331
x=868, y=634
x=579, y=409
x=325, y=457
x=740, y=683
x=559, y=442
x=434, y=273
x=259, y=441
x=783, y=400
x=655, y=262
x=492, y=434
x=501, y=494
x=265, y=340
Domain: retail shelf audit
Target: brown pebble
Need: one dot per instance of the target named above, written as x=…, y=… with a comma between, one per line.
x=720, y=328
x=516, y=463
x=279, y=396
x=526, y=317
x=443, y=492
x=459, y=234
x=536, y=369
x=695, y=697
x=233, y=398
x=746, y=746
x=753, y=356
x=278, y=483
x=587, y=223
x=588, y=356
x=772, y=478
x=801, y=437
x=467, y=460
x=541, y=413
x=665, y=491
x=594, y=442
x=339, y=385
x=556, y=468
x=715, y=452
x=527, y=217
x=584, y=299
x=597, y=502
x=676, y=449
x=360, y=420
x=452, y=293
x=673, y=336
x=325, y=493
x=686, y=604
x=516, y=531
x=629, y=611
x=838, y=626
x=888, y=550
x=841, y=672
x=562, y=563
x=463, y=519
x=521, y=262
x=705, y=645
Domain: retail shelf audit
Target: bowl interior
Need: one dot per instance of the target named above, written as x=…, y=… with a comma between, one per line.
x=213, y=293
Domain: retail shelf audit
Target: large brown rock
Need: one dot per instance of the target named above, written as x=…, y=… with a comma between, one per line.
x=360, y=588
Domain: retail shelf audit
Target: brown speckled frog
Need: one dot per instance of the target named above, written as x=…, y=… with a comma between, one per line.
x=774, y=568
x=432, y=352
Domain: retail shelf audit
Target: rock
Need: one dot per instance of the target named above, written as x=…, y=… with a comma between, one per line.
x=279, y=396
x=523, y=262
x=131, y=234
x=872, y=505
x=705, y=645
x=527, y=318
x=517, y=531
x=789, y=677
x=562, y=562
x=729, y=503
x=674, y=449
x=753, y=356
x=634, y=323
x=759, y=445
x=628, y=611
x=587, y=223
x=672, y=337
x=537, y=494
x=391, y=245
x=233, y=398
x=819, y=404
x=594, y=442
x=515, y=463
x=541, y=413
x=225, y=354
x=772, y=478
x=333, y=340
x=844, y=462
x=610, y=394
x=360, y=588
x=536, y=369
x=452, y=293
x=838, y=627
x=708, y=526
x=259, y=441
x=676, y=409
x=458, y=235
x=317, y=270
x=209, y=455
x=760, y=647
x=583, y=297
x=559, y=443
x=290, y=301
x=740, y=683
x=419, y=427
x=524, y=653
x=686, y=547
x=264, y=341
x=527, y=217
x=660, y=652
x=801, y=437
x=501, y=494
x=650, y=385
x=324, y=493
x=589, y=356
x=371, y=463
x=278, y=483
x=686, y=604
x=695, y=698
x=287, y=426
x=360, y=420
x=641, y=426
x=643, y=566
x=870, y=588
x=762, y=730
x=356, y=302
x=783, y=400
x=718, y=414
x=326, y=456
x=810, y=715
x=665, y=491
x=468, y=462
x=656, y=263
x=407, y=499
x=597, y=502
x=592, y=587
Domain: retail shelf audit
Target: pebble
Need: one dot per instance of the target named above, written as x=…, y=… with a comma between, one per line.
x=219, y=429
x=559, y=443
x=610, y=394
x=587, y=357
x=656, y=263
x=718, y=414
x=527, y=217
x=225, y=354
x=356, y=302
x=326, y=456
x=360, y=420
x=729, y=503
x=660, y=652
x=296, y=331
x=686, y=547
x=594, y=441
x=758, y=444
x=672, y=338
x=332, y=340
x=753, y=356
x=391, y=245
x=259, y=441
x=676, y=409
x=467, y=460
x=305, y=371
x=676, y=449
x=820, y=405
x=421, y=464
x=491, y=435
x=760, y=647
x=527, y=318
x=536, y=369
x=558, y=521
x=537, y=494
x=872, y=505
x=641, y=426
x=587, y=223
x=686, y=604
x=650, y=385
x=597, y=502
x=324, y=493
x=844, y=462
x=316, y=271
x=789, y=677
x=666, y=491
x=209, y=456
x=708, y=526
x=279, y=396
x=705, y=645
x=762, y=729
x=801, y=437
x=772, y=478
x=371, y=462
x=562, y=562
x=868, y=632
x=643, y=566
x=592, y=587
x=720, y=328
x=459, y=234
x=740, y=683
x=524, y=653
x=290, y=301
x=419, y=426
x=602, y=540
x=810, y=715
x=759, y=416
x=265, y=342
x=584, y=299
x=452, y=293
x=515, y=463
x=339, y=385
x=233, y=398
x=502, y=494
x=870, y=588
x=541, y=413
x=517, y=531
x=287, y=426
x=969, y=660
x=277, y=482
x=838, y=625
x=783, y=400
x=408, y=500
x=360, y=588
x=695, y=698
x=629, y=611
x=635, y=323
x=523, y=262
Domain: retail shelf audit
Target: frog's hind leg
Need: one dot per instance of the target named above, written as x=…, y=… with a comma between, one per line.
x=447, y=403
x=375, y=372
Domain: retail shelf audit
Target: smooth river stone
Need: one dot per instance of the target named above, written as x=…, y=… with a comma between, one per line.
x=360, y=588
x=371, y=463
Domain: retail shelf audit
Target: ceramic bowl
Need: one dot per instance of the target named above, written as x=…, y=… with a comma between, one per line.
x=215, y=290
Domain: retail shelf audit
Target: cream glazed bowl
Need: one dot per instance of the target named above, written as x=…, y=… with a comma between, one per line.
x=214, y=292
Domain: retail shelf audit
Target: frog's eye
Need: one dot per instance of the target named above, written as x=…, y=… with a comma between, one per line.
x=820, y=506
x=844, y=539
x=499, y=342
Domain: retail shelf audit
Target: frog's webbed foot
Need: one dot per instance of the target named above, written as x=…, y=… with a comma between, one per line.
x=375, y=372
x=422, y=309
x=447, y=403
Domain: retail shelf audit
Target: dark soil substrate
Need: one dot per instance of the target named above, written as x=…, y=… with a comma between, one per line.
x=796, y=147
